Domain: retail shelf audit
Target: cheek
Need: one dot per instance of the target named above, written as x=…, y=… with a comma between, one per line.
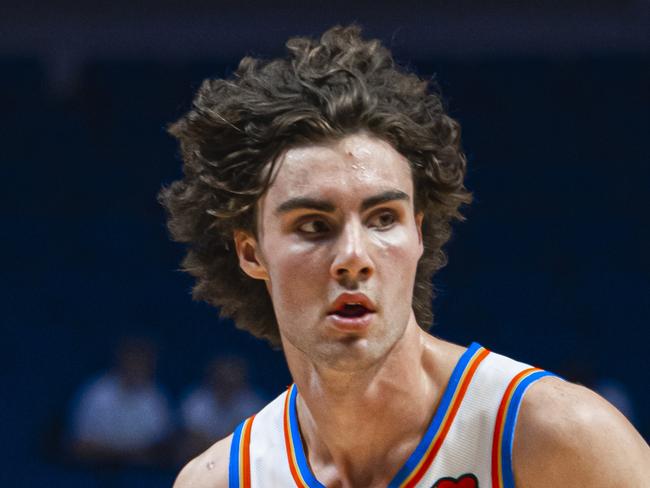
x=296, y=272
x=399, y=253
x=399, y=245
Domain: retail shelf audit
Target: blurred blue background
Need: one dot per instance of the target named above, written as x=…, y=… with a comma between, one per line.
x=551, y=267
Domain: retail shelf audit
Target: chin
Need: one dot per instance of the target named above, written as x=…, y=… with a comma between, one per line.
x=351, y=354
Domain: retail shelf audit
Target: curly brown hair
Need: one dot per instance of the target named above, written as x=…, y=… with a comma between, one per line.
x=323, y=90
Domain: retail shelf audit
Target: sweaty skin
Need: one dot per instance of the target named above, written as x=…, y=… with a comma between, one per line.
x=339, y=217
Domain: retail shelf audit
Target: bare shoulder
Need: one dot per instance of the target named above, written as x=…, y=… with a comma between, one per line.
x=209, y=469
x=567, y=435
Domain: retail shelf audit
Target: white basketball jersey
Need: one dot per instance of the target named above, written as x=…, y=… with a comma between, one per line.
x=467, y=445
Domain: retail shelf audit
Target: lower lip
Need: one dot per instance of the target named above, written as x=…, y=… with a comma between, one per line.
x=351, y=324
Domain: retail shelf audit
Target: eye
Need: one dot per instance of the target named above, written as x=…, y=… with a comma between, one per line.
x=314, y=226
x=382, y=220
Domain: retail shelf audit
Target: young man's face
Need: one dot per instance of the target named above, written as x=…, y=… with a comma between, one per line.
x=338, y=245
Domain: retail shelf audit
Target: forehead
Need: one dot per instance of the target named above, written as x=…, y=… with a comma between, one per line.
x=350, y=168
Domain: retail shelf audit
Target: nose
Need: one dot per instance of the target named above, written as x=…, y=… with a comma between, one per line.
x=351, y=259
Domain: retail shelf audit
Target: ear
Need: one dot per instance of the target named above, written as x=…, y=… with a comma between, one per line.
x=249, y=256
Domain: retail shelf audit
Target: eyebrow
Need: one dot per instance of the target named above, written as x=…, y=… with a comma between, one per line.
x=384, y=197
x=327, y=206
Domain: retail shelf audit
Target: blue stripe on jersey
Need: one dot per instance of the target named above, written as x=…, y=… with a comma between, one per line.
x=511, y=422
x=447, y=396
x=303, y=465
x=233, y=466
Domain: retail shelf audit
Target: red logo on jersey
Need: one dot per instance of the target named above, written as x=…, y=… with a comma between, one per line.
x=465, y=481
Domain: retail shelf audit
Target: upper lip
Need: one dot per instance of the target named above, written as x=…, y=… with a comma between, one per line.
x=351, y=299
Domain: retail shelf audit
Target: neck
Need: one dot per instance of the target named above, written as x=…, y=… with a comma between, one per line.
x=356, y=425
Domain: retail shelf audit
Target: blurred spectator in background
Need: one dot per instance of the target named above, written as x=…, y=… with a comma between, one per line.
x=122, y=418
x=214, y=408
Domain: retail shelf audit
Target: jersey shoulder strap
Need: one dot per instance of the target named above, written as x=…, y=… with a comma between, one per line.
x=506, y=421
x=478, y=444
x=239, y=466
x=257, y=452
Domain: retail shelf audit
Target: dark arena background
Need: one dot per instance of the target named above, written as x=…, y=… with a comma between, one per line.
x=551, y=267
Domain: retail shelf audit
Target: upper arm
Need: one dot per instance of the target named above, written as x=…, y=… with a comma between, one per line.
x=208, y=470
x=566, y=435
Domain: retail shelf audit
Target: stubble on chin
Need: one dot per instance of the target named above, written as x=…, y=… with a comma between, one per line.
x=346, y=354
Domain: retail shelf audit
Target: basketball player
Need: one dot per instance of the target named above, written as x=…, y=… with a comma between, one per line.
x=318, y=191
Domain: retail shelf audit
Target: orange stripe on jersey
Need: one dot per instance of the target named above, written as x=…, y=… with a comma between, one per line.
x=245, y=454
x=420, y=470
x=505, y=420
x=291, y=452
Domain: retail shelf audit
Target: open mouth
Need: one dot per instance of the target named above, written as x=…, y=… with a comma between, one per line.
x=352, y=310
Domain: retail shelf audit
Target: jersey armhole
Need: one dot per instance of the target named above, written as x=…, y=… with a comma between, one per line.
x=239, y=465
x=504, y=427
